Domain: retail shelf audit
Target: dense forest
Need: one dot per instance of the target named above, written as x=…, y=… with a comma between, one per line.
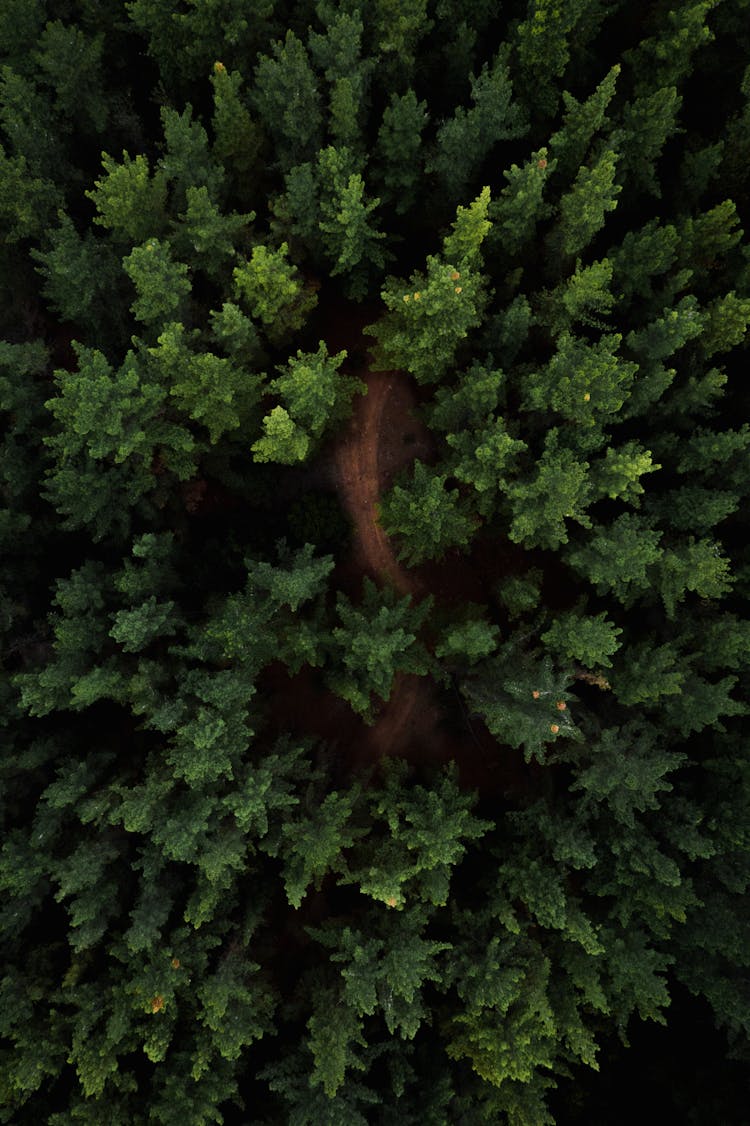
x=375, y=465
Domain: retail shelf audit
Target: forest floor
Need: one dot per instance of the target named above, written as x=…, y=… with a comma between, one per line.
x=384, y=436
x=422, y=721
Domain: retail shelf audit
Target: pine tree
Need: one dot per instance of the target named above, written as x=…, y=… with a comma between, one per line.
x=583, y=209
x=541, y=502
x=542, y=42
x=590, y=639
x=665, y=58
x=427, y=518
x=161, y=283
x=273, y=290
x=326, y=206
x=617, y=557
x=286, y=97
x=375, y=641
x=466, y=139
x=581, y=122
x=516, y=212
x=338, y=55
x=313, y=391
x=110, y=424
x=425, y=325
x=130, y=203
x=522, y=699
x=398, y=151
x=238, y=141
x=82, y=277
x=582, y=383
x=648, y=123
x=398, y=30
x=213, y=391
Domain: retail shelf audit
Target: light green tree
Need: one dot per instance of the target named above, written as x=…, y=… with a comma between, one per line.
x=431, y=314
x=273, y=291
x=590, y=639
x=541, y=501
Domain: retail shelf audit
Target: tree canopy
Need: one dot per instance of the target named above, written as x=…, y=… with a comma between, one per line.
x=373, y=603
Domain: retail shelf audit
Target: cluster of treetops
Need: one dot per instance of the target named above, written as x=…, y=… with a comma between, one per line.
x=206, y=918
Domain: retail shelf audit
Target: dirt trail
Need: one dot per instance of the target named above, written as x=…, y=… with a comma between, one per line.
x=360, y=480
x=382, y=437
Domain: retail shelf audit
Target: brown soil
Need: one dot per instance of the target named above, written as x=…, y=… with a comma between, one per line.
x=381, y=438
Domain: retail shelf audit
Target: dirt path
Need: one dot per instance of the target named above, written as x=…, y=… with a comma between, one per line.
x=360, y=480
x=384, y=436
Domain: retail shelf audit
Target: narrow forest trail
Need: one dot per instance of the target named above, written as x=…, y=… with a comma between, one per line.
x=360, y=479
x=422, y=722
x=382, y=437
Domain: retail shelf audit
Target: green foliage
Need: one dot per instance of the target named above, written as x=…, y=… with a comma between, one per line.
x=695, y=565
x=665, y=58
x=216, y=392
x=243, y=842
x=588, y=638
x=375, y=640
x=583, y=297
x=582, y=382
x=273, y=290
x=161, y=283
x=311, y=845
x=580, y=124
x=517, y=210
x=286, y=97
x=187, y=160
x=314, y=392
x=81, y=275
x=386, y=967
x=427, y=517
x=418, y=836
x=540, y=502
x=327, y=207
x=26, y=201
x=466, y=139
x=522, y=699
x=129, y=201
x=617, y=557
x=398, y=151
x=648, y=123
x=543, y=45
x=642, y=255
x=283, y=440
x=618, y=474
x=338, y=54
x=583, y=209
x=237, y=140
x=467, y=641
x=425, y=325
x=206, y=235
x=399, y=28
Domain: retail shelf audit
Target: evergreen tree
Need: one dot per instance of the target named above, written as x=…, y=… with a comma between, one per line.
x=466, y=139
x=286, y=97
x=221, y=896
x=397, y=157
x=581, y=122
x=583, y=209
x=375, y=641
x=427, y=517
x=425, y=325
